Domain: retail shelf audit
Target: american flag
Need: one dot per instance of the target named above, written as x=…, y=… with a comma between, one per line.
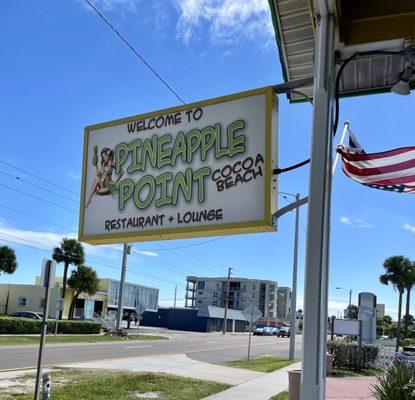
x=392, y=170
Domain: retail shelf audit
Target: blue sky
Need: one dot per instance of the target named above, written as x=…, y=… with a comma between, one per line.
x=64, y=69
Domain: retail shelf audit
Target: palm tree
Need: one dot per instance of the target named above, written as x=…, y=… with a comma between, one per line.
x=396, y=269
x=69, y=252
x=8, y=263
x=409, y=284
x=83, y=279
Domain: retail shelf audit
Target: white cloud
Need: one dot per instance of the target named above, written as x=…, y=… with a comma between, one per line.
x=47, y=240
x=146, y=253
x=345, y=220
x=227, y=20
x=409, y=227
x=75, y=177
x=356, y=222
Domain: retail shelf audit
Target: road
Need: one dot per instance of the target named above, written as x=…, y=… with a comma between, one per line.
x=209, y=347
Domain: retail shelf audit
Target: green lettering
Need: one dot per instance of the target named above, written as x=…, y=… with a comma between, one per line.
x=126, y=188
x=162, y=182
x=200, y=176
x=185, y=183
x=121, y=155
x=164, y=155
x=236, y=144
x=146, y=180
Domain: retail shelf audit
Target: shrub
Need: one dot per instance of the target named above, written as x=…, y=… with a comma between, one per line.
x=10, y=325
x=346, y=354
x=395, y=383
x=407, y=342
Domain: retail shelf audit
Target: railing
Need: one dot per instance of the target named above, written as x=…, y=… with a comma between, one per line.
x=105, y=321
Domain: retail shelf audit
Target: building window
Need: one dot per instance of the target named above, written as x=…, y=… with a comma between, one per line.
x=253, y=295
x=215, y=303
x=237, y=304
x=244, y=286
x=200, y=285
x=253, y=287
x=22, y=301
x=215, y=294
x=217, y=284
x=200, y=293
x=199, y=302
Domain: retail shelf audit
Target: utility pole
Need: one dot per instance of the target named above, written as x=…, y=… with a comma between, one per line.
x=225, y=318
x=175, y=296
x=293, y=322
x=126, y=251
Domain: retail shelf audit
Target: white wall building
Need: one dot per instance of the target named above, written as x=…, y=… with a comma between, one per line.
x=207, y=291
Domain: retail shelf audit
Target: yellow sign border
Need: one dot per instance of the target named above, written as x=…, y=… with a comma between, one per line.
x=265, y=225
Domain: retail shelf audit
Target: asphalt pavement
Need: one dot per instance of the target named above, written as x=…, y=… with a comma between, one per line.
x=208, y=347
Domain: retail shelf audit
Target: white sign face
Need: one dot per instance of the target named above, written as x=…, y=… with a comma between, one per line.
x=195, y=170
x=346, y=327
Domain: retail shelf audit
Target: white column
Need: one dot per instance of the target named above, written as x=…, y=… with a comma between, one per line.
x=233, y=325
x=317, y=252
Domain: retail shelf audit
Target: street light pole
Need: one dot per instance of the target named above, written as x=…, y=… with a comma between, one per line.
x=293, y=322
x=225, y=317
x=126, y=251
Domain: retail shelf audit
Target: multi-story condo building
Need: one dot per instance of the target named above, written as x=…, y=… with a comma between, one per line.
x=208, y=291
x=284, y=302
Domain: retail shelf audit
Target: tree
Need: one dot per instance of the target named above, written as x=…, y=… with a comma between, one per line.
x=353, y=311
x=395, y=271
x=82, y=280
x=409, y=284
x=387, y=320
x=8, y=262
x=69, y=252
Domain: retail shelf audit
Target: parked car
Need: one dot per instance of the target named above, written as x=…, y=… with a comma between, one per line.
x=258, y=331
x=28, y=314
x=267, y=331
x=284, y=331
x=406, y=356
x=275, y=330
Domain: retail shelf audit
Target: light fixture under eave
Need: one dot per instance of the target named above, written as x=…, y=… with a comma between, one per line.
x=402, y=87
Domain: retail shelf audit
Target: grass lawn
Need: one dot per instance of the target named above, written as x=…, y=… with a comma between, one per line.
x=261, y=364
x=281, y=396
x=347, y=373
x=26, y=339
x=97, y=385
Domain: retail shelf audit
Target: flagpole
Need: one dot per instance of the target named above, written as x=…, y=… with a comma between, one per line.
x=336, y=158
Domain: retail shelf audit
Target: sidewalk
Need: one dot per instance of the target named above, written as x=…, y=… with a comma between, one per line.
x=260, y=388
x=175, y=364
x=358, y=388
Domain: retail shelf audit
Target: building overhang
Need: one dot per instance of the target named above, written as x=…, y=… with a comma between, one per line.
x=362, y=26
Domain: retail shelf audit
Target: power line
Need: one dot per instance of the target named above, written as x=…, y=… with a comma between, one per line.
x=39, y=198
x=38, y=186
x=38, y=177
x=185, y=257
x=189, y=245
x=150, y=276
x=133, y=49
x=32, y=216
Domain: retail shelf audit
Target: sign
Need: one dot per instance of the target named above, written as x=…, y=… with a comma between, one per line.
x=48, y=270
x=252, y=313
x=195, y=170
x=346, y=327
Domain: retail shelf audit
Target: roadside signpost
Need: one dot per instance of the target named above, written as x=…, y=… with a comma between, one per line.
x=59, y=307
x=47, y=279
x=252, y=313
